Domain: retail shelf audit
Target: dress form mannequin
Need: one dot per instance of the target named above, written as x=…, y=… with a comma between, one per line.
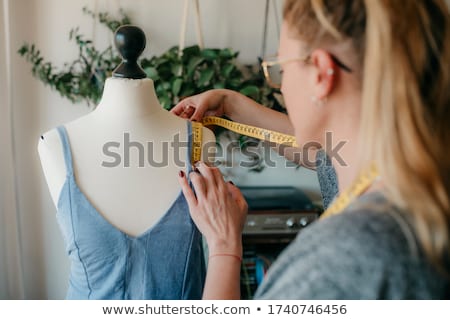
x=131, y=198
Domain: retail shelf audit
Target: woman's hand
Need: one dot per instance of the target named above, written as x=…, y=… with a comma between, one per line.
x=217, y=208
x=234, y=105
x=208, y=103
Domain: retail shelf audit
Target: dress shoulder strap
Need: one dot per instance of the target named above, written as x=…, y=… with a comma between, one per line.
x=189, y=148
x=66, y=149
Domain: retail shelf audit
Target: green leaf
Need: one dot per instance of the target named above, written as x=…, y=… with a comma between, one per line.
x=159, y=91
x=226, y=53
x=191, y=51
x=177, y=69
x=164, y=71
x=235, y=83
x=165, y=102
x=210, y=54
x=188, y=90
x=193, y=63
x=166, y=86
x=227, y=69
x=161, y=60
x=23, y=50
x=176, y=86
x=205, y=77
x=152, y=73
x=219, y=85
x=250, y=91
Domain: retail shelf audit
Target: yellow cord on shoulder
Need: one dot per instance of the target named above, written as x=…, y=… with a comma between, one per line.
x=365, y=179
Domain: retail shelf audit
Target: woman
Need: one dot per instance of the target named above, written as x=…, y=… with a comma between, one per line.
x=377, y=75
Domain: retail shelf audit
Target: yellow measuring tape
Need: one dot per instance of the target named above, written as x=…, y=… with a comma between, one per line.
x=251, y=131
x=361, y=184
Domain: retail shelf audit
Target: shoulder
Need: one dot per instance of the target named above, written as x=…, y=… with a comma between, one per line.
x=51, y=156
x=50, y=141
x=367, y=252
x=50, y=147
x=371, y=221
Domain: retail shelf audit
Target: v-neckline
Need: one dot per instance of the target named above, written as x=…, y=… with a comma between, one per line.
x=71, y=178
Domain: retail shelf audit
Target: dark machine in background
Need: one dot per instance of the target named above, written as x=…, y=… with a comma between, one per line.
x=276, y=215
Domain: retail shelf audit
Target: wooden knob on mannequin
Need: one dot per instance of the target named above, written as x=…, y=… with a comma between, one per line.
x=130, y=42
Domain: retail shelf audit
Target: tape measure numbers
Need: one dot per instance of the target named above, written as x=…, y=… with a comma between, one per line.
x=251, y=131
x=197, y=138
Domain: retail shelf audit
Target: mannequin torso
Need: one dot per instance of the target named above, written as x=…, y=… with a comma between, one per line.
x=134, y=188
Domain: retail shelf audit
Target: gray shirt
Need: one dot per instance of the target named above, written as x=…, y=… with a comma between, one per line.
x=367, y=252
x=327, y=178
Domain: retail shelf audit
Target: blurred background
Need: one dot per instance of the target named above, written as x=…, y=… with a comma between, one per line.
x=33, y=262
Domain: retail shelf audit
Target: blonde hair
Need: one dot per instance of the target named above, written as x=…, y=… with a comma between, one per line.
x=404, y=52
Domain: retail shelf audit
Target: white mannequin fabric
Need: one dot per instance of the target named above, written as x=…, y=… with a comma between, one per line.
x=128, y=122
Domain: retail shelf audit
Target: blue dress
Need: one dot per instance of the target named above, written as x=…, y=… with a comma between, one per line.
x=165, y=262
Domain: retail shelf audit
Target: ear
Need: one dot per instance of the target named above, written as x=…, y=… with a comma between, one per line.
x=325, y=77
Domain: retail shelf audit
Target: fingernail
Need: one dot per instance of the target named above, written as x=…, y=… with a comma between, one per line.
x=181, y=174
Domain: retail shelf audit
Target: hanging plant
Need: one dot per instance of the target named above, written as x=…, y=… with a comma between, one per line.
x=175, y=76
x=198, y=70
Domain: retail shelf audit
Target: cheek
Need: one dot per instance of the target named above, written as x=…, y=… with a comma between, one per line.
x=296, y=97
x=302, y=113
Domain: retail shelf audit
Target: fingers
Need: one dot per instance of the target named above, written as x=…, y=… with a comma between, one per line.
x=185, y=109
x=187, y=191
x=217, y=211
x=237, y=196
x=179, y=108
x=212, y=175
x=187, y=112
x=196, y=107
x=205, y=178
x=197, y=114
x=199, y=184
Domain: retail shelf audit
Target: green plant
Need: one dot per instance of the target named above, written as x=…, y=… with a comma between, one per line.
x=198, y=70
x=175, y=76
x=83, y=78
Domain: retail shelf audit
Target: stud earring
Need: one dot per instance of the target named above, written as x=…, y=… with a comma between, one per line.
x=330, y=72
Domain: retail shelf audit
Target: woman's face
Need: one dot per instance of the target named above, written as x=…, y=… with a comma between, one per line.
x=299, y=81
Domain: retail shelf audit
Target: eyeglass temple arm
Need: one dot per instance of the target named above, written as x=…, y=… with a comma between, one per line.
x=341, y=65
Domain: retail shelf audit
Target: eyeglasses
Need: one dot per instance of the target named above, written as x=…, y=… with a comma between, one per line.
x=272, y=68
